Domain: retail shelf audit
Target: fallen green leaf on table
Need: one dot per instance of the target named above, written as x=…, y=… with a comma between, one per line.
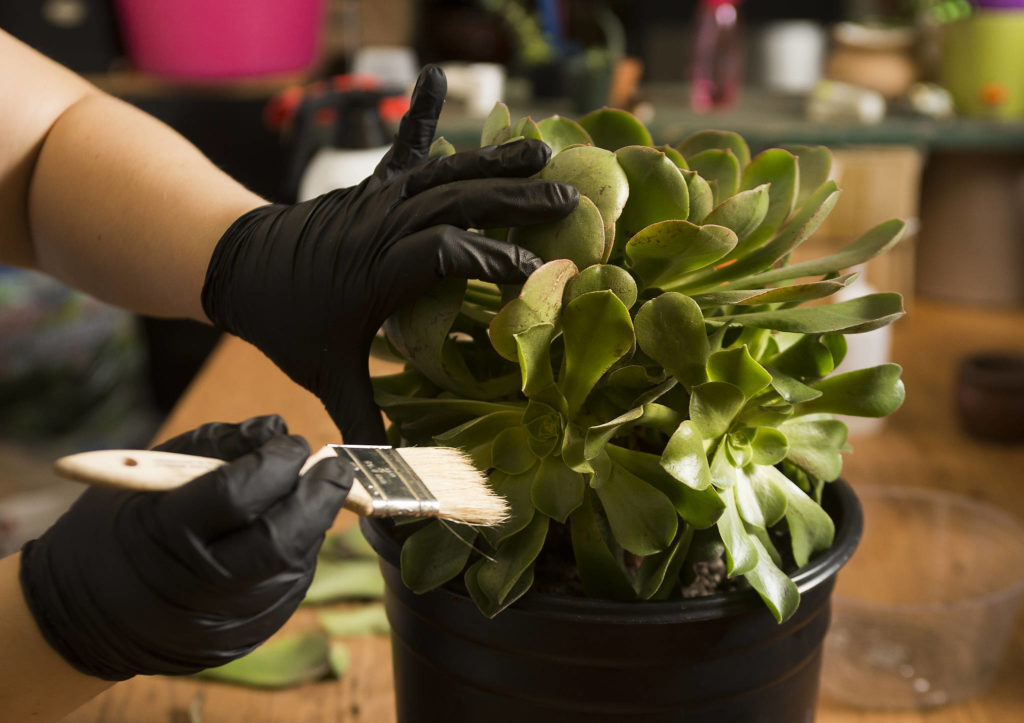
x=345, y=580
x=339, y=659
x=347, y=544
x=277, y=664
x=365, y=620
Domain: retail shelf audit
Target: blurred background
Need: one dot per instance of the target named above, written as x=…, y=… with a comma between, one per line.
x=921, y=101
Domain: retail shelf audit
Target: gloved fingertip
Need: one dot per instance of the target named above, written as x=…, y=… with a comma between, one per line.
x=528, y=262
x=260, y=429
x=287, y=446
x=568, y=195
x=529, y=152
x=431, y=86
x=334, y=471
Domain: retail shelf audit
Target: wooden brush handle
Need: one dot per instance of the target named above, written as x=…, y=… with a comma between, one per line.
x=153, y=471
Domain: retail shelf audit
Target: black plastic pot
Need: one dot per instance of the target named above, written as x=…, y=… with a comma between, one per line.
x=721, y=658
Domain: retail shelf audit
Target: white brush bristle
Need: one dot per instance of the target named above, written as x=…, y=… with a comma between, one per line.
x=461, y=488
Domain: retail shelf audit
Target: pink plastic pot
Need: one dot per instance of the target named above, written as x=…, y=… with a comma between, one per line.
x=216, y=39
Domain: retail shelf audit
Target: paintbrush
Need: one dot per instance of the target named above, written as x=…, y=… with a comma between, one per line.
x=389, y=482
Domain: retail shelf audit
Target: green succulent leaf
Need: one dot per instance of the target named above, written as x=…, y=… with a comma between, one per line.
x=742, y=213
x=810, y=528
x=658, y=573
x=539, y=302
x=420, y=332
x=738, y=368
x=425, y=417
x=777, y=590
x=440, y=148
x=598, y=555
x=599, y=435
x=836, y=345
x=533, y=350
x=809, y=356
x=559, y=133
x=480, y=596
x=612, y=128
x=476, y=437
x=597, y=175
x=511, y=452
x=435, y=554
x=738, y=449
x=875, y=241
x=280, y=663
x=643, y=520
x=740, y=553
x=657, y=191
x=872, y=392
x=723, y=471
x=712, y=139
x=815, y=445
x=497, y=126
x=713, y=405
x=759, y=500
x=720, y=169
x=364, y=620
x=574, y=438
x=579, y=237
x=557, y=490
x=601, y=277
x=770, y=446
x=517, y=490
x=778, y=169
x=670, y=330
x=684, y=457
x=497, y=576
x=598, y=332
x=701, y=508
x=853, y=316
x=814, y=166
x=345, y=580
x=794, y=294
x=664, y=253
x=800, y=227
x=339, y=658
x=792, y=391
x=526, y=128
x=675, y=156
x=544, y=425
x=702, y=198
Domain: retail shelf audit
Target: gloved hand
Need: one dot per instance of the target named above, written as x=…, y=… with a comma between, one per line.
x=175, y=582
x=310, y=284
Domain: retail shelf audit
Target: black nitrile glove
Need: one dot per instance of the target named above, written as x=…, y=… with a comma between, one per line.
x=175, y=582
x=310, y=284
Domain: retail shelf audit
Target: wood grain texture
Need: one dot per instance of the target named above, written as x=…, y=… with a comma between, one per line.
x=922, y=445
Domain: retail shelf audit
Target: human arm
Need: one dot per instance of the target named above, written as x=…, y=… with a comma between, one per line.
x=103, y=196
x=36, y=684
x=168, y=582
x=123, y=208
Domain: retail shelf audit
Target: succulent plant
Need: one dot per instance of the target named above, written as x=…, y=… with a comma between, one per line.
x=657, y=393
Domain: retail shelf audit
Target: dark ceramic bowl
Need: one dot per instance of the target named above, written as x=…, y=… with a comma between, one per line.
x=990, y=396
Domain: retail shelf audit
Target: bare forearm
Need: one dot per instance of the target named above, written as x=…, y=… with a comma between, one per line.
x=123, y=207
x=36, y=684
x=103, y=196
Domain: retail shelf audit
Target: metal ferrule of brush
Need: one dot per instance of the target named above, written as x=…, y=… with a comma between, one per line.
x=393, y=485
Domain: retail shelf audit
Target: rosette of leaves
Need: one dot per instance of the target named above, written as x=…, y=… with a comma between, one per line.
x=658, y=391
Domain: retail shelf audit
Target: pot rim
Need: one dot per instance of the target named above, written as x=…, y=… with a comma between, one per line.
x=839, y=498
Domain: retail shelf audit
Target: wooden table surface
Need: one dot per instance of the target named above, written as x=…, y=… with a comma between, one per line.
x=922, y=445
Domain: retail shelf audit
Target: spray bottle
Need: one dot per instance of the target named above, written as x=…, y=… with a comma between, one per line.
x=717, y=60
